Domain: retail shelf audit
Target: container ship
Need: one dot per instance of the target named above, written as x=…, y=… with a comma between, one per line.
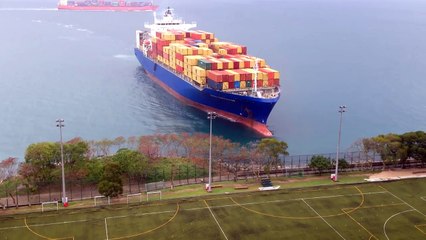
x=102, y=5
x=208, y=74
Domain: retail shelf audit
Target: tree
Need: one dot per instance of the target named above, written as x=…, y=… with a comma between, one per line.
x=8, y=168
x=390, y=148
x=237, y=159
x=415, y=142
x=271, y=149
x=75, y=157
x=320, y=163
x=343, y=164
x=95, y=169
x=132, y=163
x=111, y=184
x=44, y=158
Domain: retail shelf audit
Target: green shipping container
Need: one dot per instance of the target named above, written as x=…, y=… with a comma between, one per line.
x=205, y=64
x=248, y=84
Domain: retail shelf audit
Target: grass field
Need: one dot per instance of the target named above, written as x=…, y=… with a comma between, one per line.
x=390, y=210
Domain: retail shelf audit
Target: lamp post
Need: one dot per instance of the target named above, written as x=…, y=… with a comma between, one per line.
x=60, y=124
x=342, y=109
x=211, y=116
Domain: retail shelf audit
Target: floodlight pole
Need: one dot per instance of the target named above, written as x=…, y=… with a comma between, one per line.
x=341, y=111
x=211, y=116
x=60, y=124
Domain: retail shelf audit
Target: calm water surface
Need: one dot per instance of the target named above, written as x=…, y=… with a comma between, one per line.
x=80, y=66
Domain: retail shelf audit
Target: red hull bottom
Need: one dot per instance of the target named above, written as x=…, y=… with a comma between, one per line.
x=108, y=8
x=258, y=127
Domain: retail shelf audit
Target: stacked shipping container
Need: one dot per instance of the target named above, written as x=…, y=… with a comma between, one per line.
x=202, y=58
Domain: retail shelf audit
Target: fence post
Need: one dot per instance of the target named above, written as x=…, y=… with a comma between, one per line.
x=17, y=197
x=195, y=173
x=220, y=171
x=81, y=189
x=49, y=194
x=187, y=174
x=130, y=185
x=70, y=186
x=7, y=196
x=28, y=196
x=179, y=175
x=204, y=172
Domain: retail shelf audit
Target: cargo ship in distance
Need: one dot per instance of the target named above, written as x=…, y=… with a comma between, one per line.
x=208, y=74
x=103, y=5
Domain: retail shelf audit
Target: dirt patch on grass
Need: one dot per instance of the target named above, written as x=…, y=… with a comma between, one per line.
x=413, y=172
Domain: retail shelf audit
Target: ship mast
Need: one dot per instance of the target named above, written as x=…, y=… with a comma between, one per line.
x=256, y=69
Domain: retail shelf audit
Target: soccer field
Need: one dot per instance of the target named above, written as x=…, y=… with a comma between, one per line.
x=389, y=210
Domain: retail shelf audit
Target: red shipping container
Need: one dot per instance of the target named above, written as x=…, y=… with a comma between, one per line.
x=158, y=34
x=236, y=64
x=276, y=82
x=244, y=48
x=214, y=65
x=231, y=77
x=259, y=83
x=179, y=69
x=179, y=57
x=215, y=75
x=243, y=74
x=225, y=65
x=225, y=77
x=231, y=85
x=246, y=63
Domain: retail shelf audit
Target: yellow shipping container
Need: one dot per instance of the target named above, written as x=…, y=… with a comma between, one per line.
x=202, y=45
x=261, y=62
x=225, y=85
x=193, y=60
x=166, y=49
x=198, y=71
x=200, y=80
x=222, y=51
x=168, y=36
x=265, y=83
x=243, y=84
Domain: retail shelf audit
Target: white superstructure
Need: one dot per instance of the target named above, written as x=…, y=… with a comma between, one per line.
x=168, y=22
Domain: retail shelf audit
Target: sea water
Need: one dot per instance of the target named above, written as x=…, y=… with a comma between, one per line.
x=79, y=66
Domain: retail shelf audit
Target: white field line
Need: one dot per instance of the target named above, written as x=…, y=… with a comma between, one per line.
x=192, y=209
x=396, y=214
x=287, y=200
x=106, y=229
x=323, y=219
x=216, y=220
x=423, y=198
x=405, y=202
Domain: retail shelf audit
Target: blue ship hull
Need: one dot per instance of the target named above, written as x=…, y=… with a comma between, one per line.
x=250, y=111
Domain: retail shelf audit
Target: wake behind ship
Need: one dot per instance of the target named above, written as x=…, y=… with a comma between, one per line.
x=211, y=75
x=105, y=5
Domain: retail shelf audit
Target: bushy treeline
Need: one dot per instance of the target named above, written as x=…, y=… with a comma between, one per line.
x=143, y=159
x=396, y=148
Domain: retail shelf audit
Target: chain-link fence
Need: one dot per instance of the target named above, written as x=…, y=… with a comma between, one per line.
x=15, y=194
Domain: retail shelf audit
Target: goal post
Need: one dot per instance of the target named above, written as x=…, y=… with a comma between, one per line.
x=101, y=200
x=137, y=196
x=45, y=206
x=152, y=193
